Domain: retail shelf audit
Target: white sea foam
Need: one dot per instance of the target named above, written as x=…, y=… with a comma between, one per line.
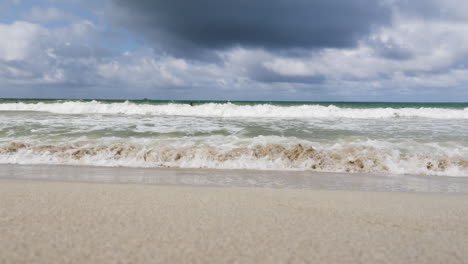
x=263, y=153
x=232, y=110
x=429, y=141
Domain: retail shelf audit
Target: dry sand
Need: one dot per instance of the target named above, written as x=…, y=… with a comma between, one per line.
x=60, y=222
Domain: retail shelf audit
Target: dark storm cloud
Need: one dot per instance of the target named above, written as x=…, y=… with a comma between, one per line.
x=262, y=74
x=185, y=27
x=271, y=77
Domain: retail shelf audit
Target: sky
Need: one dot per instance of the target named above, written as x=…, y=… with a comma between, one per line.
x=287, y=50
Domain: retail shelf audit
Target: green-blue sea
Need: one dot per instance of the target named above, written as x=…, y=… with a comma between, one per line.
x=363, y=137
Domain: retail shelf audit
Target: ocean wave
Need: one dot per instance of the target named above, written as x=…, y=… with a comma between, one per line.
x=345, y=158
x=233, y=110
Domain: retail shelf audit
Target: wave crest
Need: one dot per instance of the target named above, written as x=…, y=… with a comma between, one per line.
x=232, y=110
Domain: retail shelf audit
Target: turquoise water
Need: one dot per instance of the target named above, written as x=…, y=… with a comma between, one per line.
x=276, y=103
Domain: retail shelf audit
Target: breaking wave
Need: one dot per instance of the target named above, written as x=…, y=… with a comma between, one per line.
x=233, y=110
x=348, y=158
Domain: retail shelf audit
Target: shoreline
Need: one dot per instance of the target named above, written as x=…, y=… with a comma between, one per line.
x=73, y=222
x=269, y=179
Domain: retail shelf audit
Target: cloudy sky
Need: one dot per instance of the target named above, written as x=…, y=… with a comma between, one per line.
x=318, y=50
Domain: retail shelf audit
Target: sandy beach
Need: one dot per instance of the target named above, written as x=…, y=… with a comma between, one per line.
x=69, y=222
x=224, y=131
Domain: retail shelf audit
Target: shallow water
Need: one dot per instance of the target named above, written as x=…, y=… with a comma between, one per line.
x=382, y=138
x=306, y=180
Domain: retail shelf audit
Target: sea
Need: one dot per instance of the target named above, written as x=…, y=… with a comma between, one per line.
x=349, y=137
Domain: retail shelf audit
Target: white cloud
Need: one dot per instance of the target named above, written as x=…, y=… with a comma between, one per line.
x=147, y=70
x=49, y=14
x=434, y=48
x=288, y=67
x=18, y=39
x=31, y=54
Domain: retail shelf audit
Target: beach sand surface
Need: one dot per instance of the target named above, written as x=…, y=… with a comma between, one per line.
x=70, y=222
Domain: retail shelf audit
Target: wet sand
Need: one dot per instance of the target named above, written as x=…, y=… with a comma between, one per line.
x=72, y=222
x=308, y=180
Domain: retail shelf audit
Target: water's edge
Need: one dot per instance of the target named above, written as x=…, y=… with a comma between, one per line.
x=238, y=178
